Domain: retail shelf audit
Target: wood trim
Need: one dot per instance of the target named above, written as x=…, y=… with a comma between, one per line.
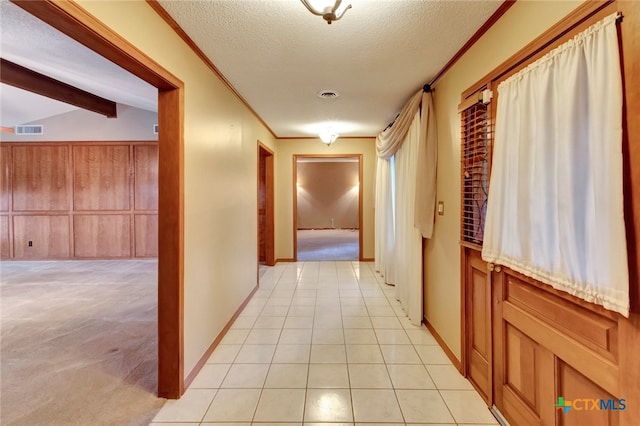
x=506, y=5
x=367, y=259
x=207, y=354
x=23, y=78
x=284, y=138
x=629, y=329
x=171, y=243
x=455, y=361
x=630, y=34
x=285, y=259
x=469, y=102
x=270, y=250
x=464, y=313
x=295, y=208
x=194, y=47
x=472, y=246
x=7, y=129
x=269, y=231
x=564, y=26
x=74, y=21
x=360, y=198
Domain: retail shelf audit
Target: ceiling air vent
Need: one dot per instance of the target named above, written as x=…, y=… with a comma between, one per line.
x=155, y=129
x=328, y=94
x=30, y=130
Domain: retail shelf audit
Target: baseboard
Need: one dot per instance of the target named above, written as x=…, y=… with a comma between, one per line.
x=455, y=361
x=367, y=259
x=326, y=229
x=203, y=360
x=286, y=259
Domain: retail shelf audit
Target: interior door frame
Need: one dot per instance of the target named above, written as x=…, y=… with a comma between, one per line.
x=268, y=154
x=295, y=197
x=74, y=21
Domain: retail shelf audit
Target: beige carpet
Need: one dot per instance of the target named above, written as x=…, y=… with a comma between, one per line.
x=78, y=343
x=328, y=244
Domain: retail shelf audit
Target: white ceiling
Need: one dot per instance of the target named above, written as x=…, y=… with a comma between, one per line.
x=278, y=55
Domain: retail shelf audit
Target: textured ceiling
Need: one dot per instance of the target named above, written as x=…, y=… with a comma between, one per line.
x=276, y=54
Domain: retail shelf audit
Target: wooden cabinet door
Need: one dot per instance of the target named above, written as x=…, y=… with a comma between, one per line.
x=478, y=323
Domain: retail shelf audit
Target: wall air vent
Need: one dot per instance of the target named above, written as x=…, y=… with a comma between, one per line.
x=30, y=130
x=155, y=129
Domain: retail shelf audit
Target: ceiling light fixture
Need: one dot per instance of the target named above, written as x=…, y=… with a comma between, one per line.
x=328, y=12
x=328, y=136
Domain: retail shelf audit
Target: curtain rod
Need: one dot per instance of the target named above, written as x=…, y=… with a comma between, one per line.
x=426, y=88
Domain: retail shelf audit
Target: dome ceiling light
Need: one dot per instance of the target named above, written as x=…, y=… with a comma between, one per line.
x=328, y=136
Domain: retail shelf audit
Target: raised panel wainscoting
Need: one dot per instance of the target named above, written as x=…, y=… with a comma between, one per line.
x=79, y=200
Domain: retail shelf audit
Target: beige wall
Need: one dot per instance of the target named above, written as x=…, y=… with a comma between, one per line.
x=520, y=25
x=287, y=148
x=132, y=124
x=220, y=152
x=327, y=194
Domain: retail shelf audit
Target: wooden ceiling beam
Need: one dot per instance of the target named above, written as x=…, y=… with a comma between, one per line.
x=26, y=79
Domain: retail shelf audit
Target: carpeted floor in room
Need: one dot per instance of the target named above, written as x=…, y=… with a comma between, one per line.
x=79, y=343
x=328, y=244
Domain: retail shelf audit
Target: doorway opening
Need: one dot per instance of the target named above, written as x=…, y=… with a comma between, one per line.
x=266, y=251
x=327, y=207
x=74, y=21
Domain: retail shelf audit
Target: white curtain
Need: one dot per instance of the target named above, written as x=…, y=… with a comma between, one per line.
x=408, y=246
x=405, y=199
x=555, y=207
x=385, y=233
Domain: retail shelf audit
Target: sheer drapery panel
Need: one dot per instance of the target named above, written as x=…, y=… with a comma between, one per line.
x=405, y=199
x=555, y=205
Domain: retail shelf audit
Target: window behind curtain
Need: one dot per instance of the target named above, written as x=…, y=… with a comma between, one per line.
x=475, y=157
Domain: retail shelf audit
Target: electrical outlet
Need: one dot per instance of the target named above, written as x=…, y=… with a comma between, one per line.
x=30, y=243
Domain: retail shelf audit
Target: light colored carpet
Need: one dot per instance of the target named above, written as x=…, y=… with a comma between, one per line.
x=328, y=244
x=79, y=343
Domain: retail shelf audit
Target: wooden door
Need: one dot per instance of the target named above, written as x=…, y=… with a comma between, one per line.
x=478, y=323
x=266, y=252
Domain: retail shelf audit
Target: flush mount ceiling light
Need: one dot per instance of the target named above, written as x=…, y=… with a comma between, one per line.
x=328, y=136
x=329, y=13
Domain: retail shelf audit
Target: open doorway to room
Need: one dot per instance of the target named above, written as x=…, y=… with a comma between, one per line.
x=327, y=207
x=266, y=251
x=75, y=22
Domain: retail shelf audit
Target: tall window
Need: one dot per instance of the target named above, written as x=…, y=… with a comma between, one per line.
x=475, y=171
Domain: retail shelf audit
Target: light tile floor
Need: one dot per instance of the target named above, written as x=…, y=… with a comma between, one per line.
x=326, y=343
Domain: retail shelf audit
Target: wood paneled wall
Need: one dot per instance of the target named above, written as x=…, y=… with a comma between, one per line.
x=78, y=200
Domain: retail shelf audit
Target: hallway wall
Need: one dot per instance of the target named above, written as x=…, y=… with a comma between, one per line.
x=220, y=194
x=287, y=148
x=327, y=194
x=522, y=23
